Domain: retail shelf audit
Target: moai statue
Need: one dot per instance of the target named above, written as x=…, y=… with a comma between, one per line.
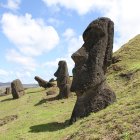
x=8, y=91
x=63, y=81
x=91, y=62
x=17, y=89
x=43, y=83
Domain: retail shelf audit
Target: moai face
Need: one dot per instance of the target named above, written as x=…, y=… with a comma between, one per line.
x=61, y=73
x=62, y=69
x=92, y=59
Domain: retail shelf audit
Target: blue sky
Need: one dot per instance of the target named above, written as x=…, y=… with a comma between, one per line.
x=35, y=35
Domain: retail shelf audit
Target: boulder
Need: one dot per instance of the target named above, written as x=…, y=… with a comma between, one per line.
x=17, y=89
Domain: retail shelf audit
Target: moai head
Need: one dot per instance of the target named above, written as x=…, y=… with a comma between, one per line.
x=17, y=89
x=41, y=82
x=62, y=73
x=62, y=69
x=92, y=59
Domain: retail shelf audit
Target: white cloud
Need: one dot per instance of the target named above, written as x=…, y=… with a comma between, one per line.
x=31, y=36
x=124, y=13
x=12, y=4
x=69, y=33
x=3, y=72
x=22, y=75
x=73, y=42
x=24, y=62
x=5, y=75
x=81, y=7
x=54, y=21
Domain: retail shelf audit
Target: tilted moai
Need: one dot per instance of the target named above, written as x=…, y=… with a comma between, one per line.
x=63, y=80
x=91, y=62
x=17, y=89
x=43, y=83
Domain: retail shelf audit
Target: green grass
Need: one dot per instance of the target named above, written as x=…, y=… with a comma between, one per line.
x=42, y=118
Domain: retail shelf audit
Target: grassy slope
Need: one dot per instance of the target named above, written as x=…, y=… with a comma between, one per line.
x=40, y=118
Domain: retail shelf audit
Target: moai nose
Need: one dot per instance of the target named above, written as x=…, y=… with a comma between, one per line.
x=80, y=55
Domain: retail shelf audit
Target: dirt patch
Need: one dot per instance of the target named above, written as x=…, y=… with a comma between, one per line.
x=8, y=119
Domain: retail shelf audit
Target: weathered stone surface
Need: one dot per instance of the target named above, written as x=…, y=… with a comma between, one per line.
x=8, y=90
x=51, y=80
x=63, y=81
x=17, y=89
x=43, y=83
x=91, y=62
x=50, y=92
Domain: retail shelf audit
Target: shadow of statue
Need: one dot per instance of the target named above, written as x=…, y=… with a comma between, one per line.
x=9, y=99
x=45, y=100
x=49, y=127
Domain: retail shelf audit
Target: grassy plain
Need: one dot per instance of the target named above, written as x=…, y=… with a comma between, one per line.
x=40, y=117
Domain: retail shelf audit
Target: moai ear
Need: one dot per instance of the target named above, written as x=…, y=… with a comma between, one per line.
x=108, y=53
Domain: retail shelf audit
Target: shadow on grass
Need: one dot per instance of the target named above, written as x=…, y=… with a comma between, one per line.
x=49, y=127
x=28, y=92
x=9, y=99
x=45, y=100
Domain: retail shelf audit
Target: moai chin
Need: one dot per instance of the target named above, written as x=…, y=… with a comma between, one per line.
x=63, y=81
x=91, y=62
x=17, y=89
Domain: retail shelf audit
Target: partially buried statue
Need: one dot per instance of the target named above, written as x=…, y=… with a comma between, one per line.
x=17, y=89
x=8, y=91
x=63, y=81
x=91, y=62
x=43, y=83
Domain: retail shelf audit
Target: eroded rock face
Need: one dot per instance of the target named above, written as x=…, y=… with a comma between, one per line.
x=91, y=62
x=43, y=83
x=17, y=89
x=63, y=81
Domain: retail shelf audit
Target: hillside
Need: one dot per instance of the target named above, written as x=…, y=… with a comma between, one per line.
x=36, y=116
